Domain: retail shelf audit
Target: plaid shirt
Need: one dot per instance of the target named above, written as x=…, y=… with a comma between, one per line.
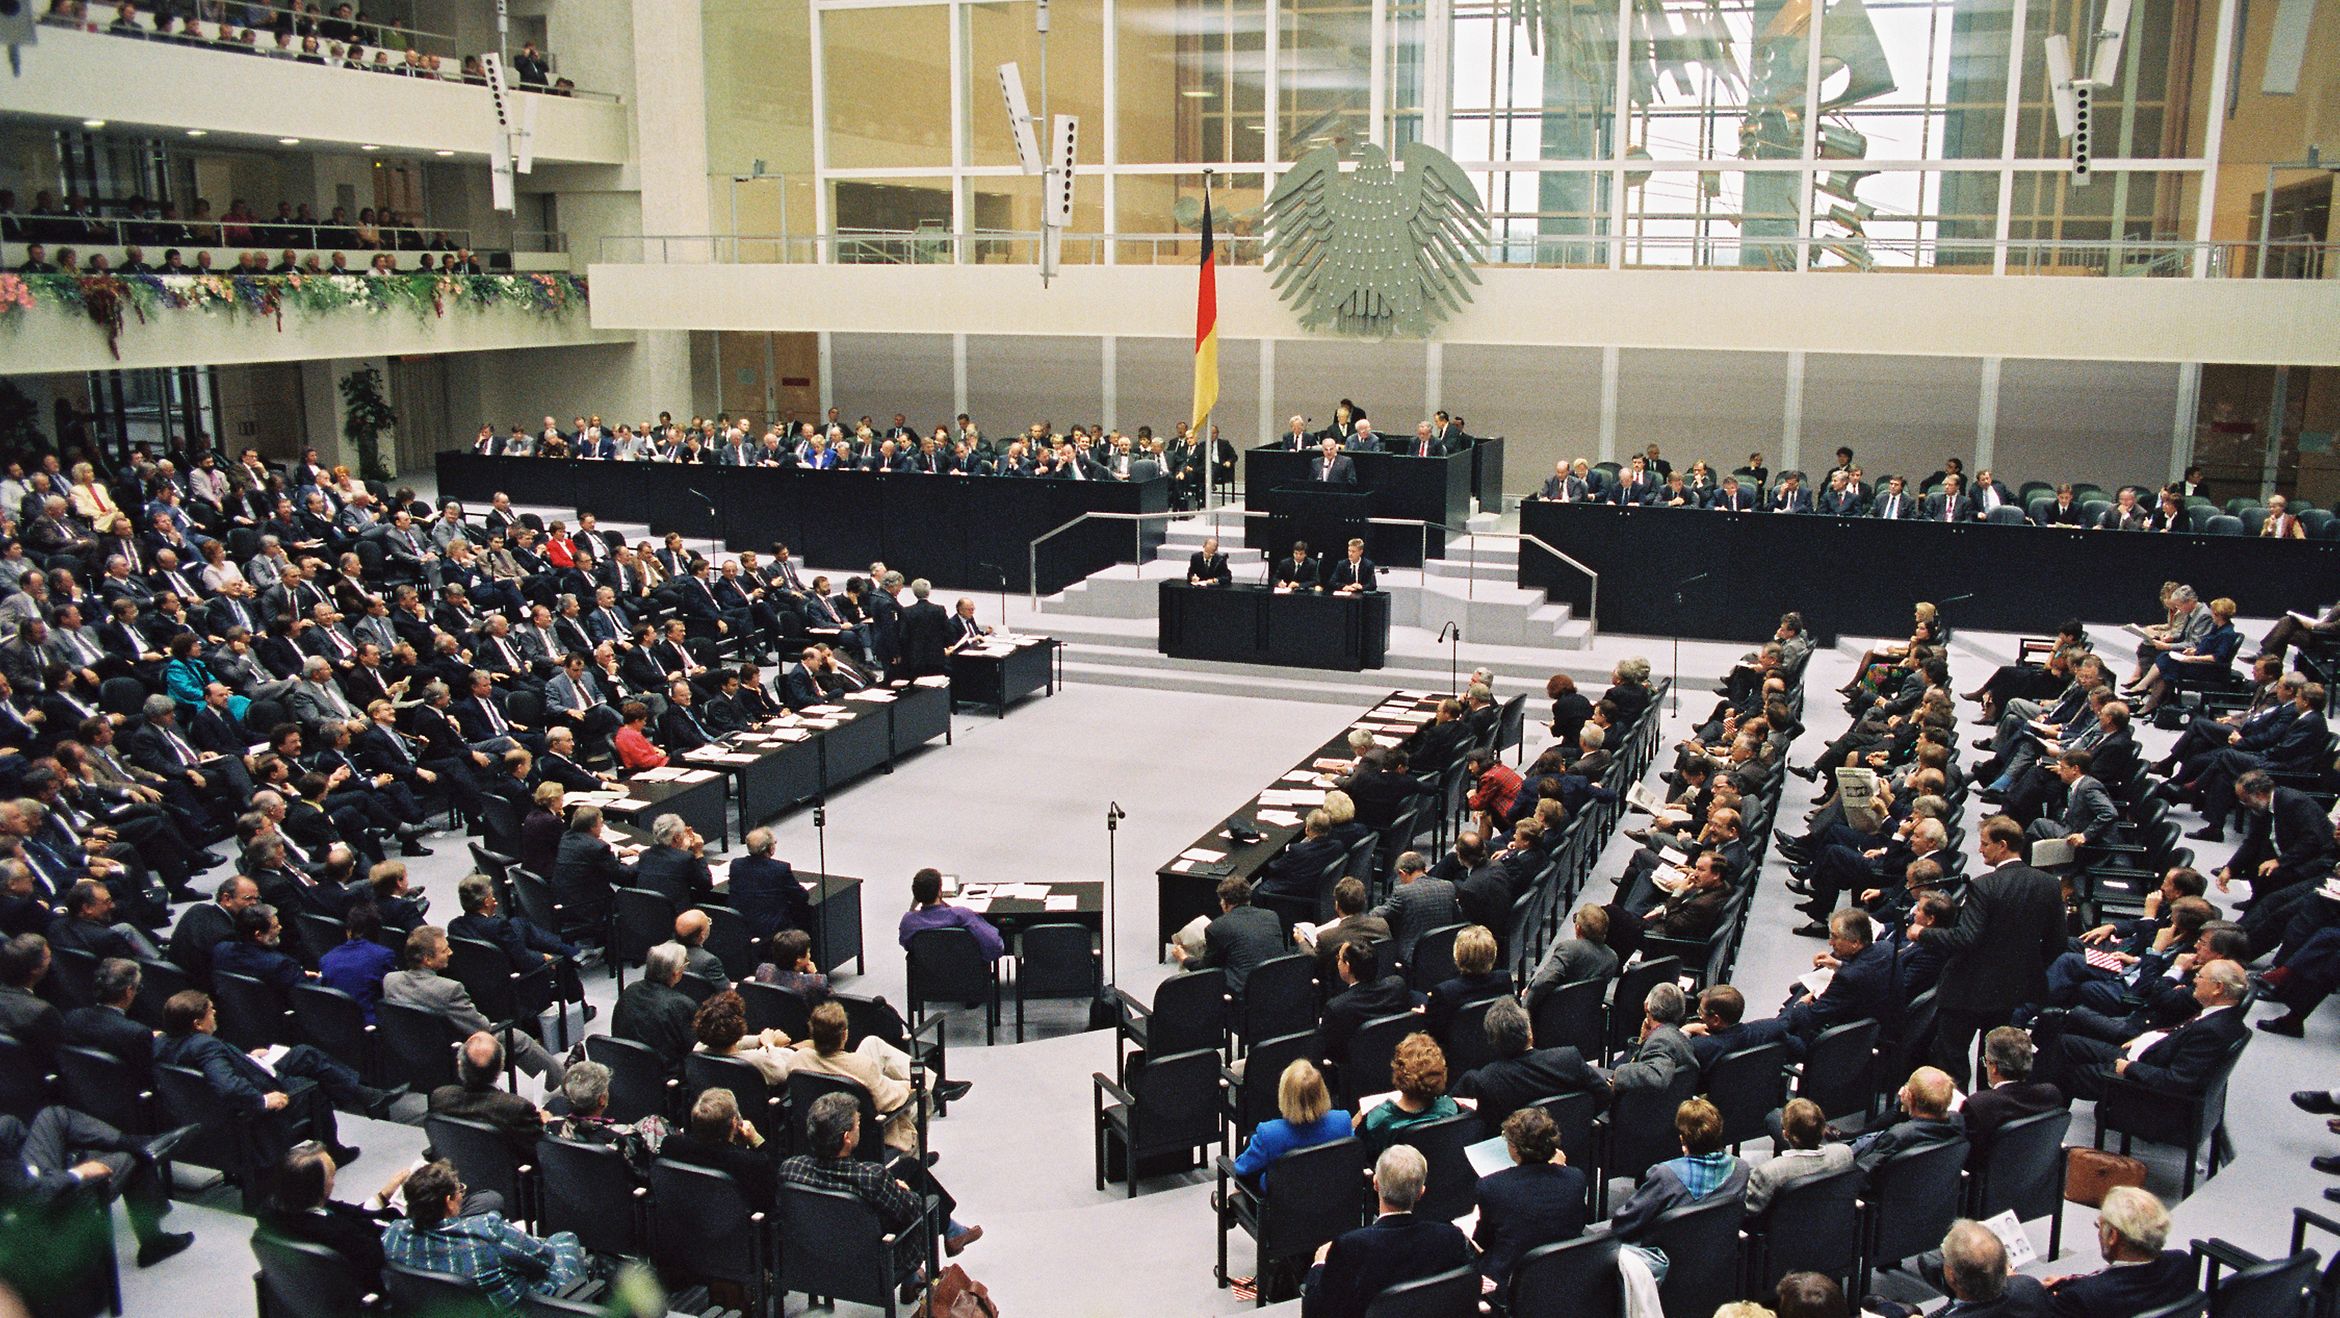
x=506, y=1261
x=1498, y=788
x=898, y=1209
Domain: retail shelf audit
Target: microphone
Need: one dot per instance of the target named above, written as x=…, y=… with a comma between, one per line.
x=1114, y=813
x=1954, y=599
x=1453, y=627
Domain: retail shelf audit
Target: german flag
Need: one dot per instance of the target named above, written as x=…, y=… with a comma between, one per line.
x=1206, y=330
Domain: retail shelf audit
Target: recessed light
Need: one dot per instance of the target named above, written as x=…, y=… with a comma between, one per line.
x=93, y=123
x=368, y=146
x=442, y=152
x=1198, y=93
x=198, y=132
x=288, y=141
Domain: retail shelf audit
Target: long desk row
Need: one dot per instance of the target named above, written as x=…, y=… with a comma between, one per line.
x=786, y=761
x=836, y=902
x=1860, y=575
x=1263, y=625
x=962, y=533
x=1187, y=884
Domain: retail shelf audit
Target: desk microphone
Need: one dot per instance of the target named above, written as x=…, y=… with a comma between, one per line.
x=1955, y=599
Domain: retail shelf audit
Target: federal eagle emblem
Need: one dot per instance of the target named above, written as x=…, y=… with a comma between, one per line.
x=1373, y=251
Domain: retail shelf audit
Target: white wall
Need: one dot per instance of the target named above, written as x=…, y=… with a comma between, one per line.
x=48, y=339
x=882, y=374
x=78, y=75
x=1900, y=414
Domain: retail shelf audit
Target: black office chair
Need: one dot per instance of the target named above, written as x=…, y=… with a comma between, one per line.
x=73, y=977
x=439, y=1294
x=588, y=1189
x=2023, y=1173
x=76, y=1272
x=301, y=1280
x=1811, y=1225
x=1836, y=1070
x=638, y=1084
x=1701, y=1243
x=1638, y=1132
x=773, y=1007
x=1572, y=1279
x=1168, y=1105
x=1190, y=1011
x=103, y=1086
x=757, y=1100
x=1251, y=1092
x=838, y=1250
x=1465, y=1040
x=516, y=999
x=1747, y=1086
x=2134, y=1112
x=640, y=919
x=1364, y=1070
x=418, y=1045
x=1625, y=1003
x=333, y=1021
x=1056, y=961
x=1279, y=997
x=1316, y=1194
x=251, y=1014
x=1433, y=959
x=948, y=966
x=1450, y=1294
x=807, y=1087
x=1909, y=1203
x=1452, y=1186
x=1571, y=1016
x=484, y=1156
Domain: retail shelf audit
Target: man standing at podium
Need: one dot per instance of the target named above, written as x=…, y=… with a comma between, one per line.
x=1352, y=575
x=1209, y=568
x=1332, y=468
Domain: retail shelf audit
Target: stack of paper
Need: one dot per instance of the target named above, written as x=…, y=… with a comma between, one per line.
x=810, y=710
x=1203, y=855
x=1062, y=901
x=874, y=697
x=937, y=680
x=1020, y=892
x=1278, y=818
x=628, y=804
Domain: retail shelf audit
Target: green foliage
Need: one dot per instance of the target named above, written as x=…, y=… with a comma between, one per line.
x=365, y=415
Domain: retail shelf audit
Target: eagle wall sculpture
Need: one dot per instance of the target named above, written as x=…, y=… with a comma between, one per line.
x=1373, y=251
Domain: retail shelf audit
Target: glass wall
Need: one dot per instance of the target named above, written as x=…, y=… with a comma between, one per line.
x=1761, y=133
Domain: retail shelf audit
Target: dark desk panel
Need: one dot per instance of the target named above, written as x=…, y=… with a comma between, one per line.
x=1422, y=489
x=958, y=532
x=1257, y=625
x=1861, y=576
x=836, y=923
x=1000, y=681
x=1327, y=517
x=705, y=806
x=1487, y=472
x=920, y=714
x=854, y=748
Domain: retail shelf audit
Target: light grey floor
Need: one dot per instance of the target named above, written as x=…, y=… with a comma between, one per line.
x=1026, y=797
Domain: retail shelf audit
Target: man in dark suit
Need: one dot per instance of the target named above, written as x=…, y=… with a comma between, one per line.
x=304, y=1085
x=1975, y=1272
x=2178, y=1063
x=677, y=864
x=1209, y=567
x=1294, y=871
x=1241, y=938
x=1299, y=571
x=2008, y=1094
x=31, y=1019
x=107, y=1027
x=1521, y=1072
x=1350, y=575
x=1735, y=498
x=62, y=1150
x=2287, y=840
x=926, y=634
x=587, y=873
x=1925, y=1098
x=2010, y=928
x=476, y=1096
x=1398, y=1247
x=1861, y=988
x=1358, y=997
x=766, y=890
x=1791, y=496
x=2131, y=1229
x=1331, y=467
x=205, y=927
x=1538, y=1201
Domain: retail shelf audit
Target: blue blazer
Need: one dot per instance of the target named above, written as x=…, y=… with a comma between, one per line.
x=1400, y=1247
x=1273, y=1139
x=768, y=893
x=1521, y=1208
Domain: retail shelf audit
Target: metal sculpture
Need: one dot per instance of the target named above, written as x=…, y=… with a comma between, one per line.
x=1373, y=251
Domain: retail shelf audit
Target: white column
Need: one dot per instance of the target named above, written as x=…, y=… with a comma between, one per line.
x=1433, y=379
x=826, y=346
x=2214, y=132
x=1609, y=363
x=958, y=372
x=1986, y=416
x=1377, y=69
x=1791, y=424
x=1268, y=426
x=1109, y=381
x=670, y=123
x=2181, y=426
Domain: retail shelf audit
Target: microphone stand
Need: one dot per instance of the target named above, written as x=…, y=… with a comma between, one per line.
x=1675, y=682
x=1003, y=590
x=1114, y=814
x=821, y=844
x=1451, y=633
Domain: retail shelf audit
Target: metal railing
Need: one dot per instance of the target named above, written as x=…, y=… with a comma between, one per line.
x=212, y=231
x=1215, y=515
x=2113, y=258
x=335, y=37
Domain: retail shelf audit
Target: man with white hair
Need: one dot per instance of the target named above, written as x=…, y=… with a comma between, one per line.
x=2131, y=1229
x=926, y=634
x=653, y=1012
x=2180, y=1061
x=1398, y=1247
x=1974, y=1267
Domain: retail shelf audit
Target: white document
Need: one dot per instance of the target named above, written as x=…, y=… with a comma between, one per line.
x=695, y=775
x=791, y=734
x=976, y=904
x=627, y=803
x=938, y=680
x=1278, y=818
x=2049, y=852
x=1816, y=983
x=1384, y=739
x=1027, y=892
x=1063, y=901
x=1181, y=866
x=823, y=709
x=1203, y=854
x=874, y=697
x=1488, y=1156
x=2020, y=1254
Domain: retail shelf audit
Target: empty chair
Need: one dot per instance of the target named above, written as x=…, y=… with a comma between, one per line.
x=2023, y=1172
x=1452, y=1187
x=1168, y=1105
x=1189, y=1012
x=439, y=1294
x=1251, y=1092
x=776, y=1007
x=1056, y=961
x=418, y=1046
x=705, y=1230
x=1465, y=1041
x=1911, y=1200
x=948, y=966
x=1571, y=1016
x=640, y=919
x=1747, y=1086
x=2259, y=1288
x=1279, y=997
x=251, y=1014
x=1701, y=1242
x=1365, y=1070
x=103, y=1086
x=1836, y=1069
x=587, y=1189
x=1433, y=962
x=301, y=1280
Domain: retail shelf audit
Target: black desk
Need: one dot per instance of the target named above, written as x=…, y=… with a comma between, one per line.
x=1183, y=892
x=920, y=714
x=998, y=681
x=948, y=529
x=1327, y=517
x=1487, y=473
x=836, y=922
x=705, y=806
x=862, y=743
x=1859, y=575
x=1259, y=625
x=1435, y=490
x=1012, y=915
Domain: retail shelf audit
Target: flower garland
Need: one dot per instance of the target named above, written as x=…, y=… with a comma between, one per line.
x=109, y=299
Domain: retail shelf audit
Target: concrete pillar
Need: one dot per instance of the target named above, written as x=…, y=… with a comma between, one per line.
x=669, y=98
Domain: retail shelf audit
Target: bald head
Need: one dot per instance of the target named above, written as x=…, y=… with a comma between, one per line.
x=690, y=928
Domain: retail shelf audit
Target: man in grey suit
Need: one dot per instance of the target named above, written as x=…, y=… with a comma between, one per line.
x=2089, y=814
x=1663, y=1052
x=1331, y=468
x=1241, y=938
x=1803, y=1128
x=421, y=985
x=2010, y=928
x=318, y=699
x=1417, y=903
x=1573, y=960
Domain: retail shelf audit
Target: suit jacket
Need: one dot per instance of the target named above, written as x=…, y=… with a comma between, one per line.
x=1987, y=1110
x=1508, y=1084
x=231, y=1074
x=2126, y=1288
x=437, y=994
x=199, y=930
x=768, y=893
x=1369, y=1260
x=1414, y=909
x=2089, y=811
x=515, y=1116
x=1871, y=1151
x=1766, y=1179
x=1656, y=1060
x=1239, y=940
x=1293, y=871
x=1940, y=507
x=1861, y=989
x=657, y=1016
x=1523, y=1207
x=677, y=873
x=2010, y=927
x=925, y=637
x=2023, y=1298
x=1211, y=568
x=1342, y=472
x=1339, y=572
x=2294, y=832
x=114, y=1034
x=2181, y=1061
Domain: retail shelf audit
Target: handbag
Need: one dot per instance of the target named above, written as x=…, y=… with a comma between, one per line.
x=2093, y=1173
x=957, y=1295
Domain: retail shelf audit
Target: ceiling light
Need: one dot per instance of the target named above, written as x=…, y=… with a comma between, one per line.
x=288, y=141
x=442, y=151
x=368, y=146
x=1198, y=92
x=198, y=132
x=93, y=123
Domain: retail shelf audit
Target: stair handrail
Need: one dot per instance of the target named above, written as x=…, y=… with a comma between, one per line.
x=1470, y=582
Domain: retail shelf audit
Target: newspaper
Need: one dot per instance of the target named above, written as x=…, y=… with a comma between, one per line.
x=1855, y=788
x=2049, y=852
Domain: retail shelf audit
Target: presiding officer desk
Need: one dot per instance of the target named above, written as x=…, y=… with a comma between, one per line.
x=960, y=532
x=1264, y=625
x=1436, y=490
x=1860, y=575
x=1187, y=885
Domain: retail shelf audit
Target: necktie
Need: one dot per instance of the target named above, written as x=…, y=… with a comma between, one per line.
x=178, y=747
x=495, y=717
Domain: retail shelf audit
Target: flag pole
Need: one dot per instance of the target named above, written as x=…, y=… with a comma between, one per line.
x=1206, y=349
